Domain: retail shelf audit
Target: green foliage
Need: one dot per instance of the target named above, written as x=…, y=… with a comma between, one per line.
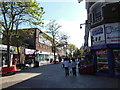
x=77, y=53
x=20, y=12
x=69, y=54
x=22, y=38
x=12, y=14
x=71, y=47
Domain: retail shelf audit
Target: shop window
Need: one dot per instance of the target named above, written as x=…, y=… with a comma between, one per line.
x=96, y=39
x=92, y=40
x=102, y=61
x=116, y=54
x=99, y=38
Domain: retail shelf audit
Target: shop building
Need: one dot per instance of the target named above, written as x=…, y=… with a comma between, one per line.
x=39, y=46
x=104, y=27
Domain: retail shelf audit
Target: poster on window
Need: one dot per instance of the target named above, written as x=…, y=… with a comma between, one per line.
x=112, y=33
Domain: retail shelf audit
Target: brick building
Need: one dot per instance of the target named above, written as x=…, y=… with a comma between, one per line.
x=37, y=45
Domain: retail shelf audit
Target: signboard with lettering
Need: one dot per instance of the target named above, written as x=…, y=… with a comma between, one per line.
x=29, y=51
x=98, y=35
x=112, y=33
x=101, y=52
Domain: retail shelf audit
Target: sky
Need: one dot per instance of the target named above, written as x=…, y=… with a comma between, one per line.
x=69, y=14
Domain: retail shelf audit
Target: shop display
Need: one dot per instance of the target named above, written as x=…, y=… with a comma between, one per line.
x=102, y=61
x=116, y=54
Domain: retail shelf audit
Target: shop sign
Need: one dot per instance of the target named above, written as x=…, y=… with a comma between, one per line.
x=97, y=34
x=29, y=51
x=4, y=47
x=112, y=33
x=101, y=52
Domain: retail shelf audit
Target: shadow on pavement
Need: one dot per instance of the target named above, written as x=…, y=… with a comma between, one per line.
x=53, y=76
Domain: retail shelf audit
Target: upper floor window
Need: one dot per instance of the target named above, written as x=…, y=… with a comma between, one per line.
x=97, y=15
x=43, y=40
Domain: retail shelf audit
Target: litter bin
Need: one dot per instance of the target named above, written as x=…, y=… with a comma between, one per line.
x=36, y=64
x=51, y=60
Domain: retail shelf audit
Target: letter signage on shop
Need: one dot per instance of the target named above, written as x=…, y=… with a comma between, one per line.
x=110, y=32
x=98, y=35
x=29, y=51
x=101, y=52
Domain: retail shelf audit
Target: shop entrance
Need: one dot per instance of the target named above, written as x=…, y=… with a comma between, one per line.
x=102, y=61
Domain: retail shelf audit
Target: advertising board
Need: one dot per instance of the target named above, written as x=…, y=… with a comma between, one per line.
x=98, y=35
x=107, y=32
x=112, y=33
x=29, y=51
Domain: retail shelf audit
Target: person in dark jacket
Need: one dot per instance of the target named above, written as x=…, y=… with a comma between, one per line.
x=74, y=66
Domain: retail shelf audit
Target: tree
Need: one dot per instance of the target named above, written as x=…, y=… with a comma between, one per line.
x=64, y=42
x=12, y=14
x=77, y=53
x=52, y=29
x=71, y=49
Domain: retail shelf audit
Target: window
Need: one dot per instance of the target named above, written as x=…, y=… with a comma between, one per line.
x=99, y=38
x=43, y=40
x=97, y=15
x=96, y=39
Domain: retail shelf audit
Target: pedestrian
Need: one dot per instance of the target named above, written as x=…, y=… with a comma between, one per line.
x=66, y=66
x=70, y=67
x=74, y=64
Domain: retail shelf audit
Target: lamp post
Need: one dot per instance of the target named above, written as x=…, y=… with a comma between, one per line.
x=66, y=47
x=86, y=32
x=64, y=38
x=1, y=36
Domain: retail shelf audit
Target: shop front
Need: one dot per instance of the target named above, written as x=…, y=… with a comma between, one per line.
x=45, y=55
x=105, y=49
x=29, y=56
x=106, y=61
x=3, y=52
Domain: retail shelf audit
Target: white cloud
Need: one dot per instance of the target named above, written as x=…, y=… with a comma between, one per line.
x=59, y=1
x=72, y=28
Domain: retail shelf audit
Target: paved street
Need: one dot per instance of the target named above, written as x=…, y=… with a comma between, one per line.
x=52, y=76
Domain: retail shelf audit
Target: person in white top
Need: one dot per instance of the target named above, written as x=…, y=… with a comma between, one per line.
x=66, y=66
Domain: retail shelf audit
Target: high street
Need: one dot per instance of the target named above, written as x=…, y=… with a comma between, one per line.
x=53, y=76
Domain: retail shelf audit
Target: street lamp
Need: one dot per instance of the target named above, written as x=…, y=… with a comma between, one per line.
x=81, y=25
x=87, y=28
x=65, y=37
x=66, y=47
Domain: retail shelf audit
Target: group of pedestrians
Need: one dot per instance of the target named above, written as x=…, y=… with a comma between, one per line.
x=70, y=66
